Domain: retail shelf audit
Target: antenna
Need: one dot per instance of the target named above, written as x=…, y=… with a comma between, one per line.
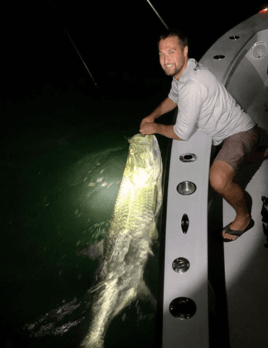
x=76, y=49
x=157, y=14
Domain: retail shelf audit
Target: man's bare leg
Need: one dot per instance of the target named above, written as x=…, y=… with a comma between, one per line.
x=222, y=181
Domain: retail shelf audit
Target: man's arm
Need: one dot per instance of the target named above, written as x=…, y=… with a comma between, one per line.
x=166, y=106
x=166, y=130
x=149, y=127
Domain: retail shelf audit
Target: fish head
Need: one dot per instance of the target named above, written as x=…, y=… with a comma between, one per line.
x=144, y=160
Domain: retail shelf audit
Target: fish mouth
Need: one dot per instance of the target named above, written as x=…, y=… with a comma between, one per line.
x=142, y=137
x=147, y=140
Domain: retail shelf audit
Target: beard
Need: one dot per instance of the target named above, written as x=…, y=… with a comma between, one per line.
x=172, y=72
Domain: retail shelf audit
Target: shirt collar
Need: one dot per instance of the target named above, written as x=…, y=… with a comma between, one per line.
x=191, y=64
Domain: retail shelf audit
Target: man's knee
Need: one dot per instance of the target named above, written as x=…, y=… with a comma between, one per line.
x=220, y=176
x=217, y=182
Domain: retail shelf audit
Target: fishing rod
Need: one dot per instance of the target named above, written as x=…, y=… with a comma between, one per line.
x=92, y=78
x=157, y=14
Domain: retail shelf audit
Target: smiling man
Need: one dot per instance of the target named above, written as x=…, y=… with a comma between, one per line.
x=173, y=56
x=204, y=103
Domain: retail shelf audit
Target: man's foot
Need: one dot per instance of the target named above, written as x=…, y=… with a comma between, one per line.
x=236, y=228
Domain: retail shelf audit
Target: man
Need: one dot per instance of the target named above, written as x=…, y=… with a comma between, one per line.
x=204, y=103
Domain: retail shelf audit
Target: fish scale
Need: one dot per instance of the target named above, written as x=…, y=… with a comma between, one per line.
x=130, y=237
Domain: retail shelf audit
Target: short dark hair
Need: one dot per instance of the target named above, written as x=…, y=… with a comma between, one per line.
x=182, y=37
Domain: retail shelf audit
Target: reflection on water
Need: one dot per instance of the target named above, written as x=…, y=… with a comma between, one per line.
x=55, y=322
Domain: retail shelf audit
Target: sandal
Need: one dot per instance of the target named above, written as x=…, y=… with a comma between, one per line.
x=237, y=233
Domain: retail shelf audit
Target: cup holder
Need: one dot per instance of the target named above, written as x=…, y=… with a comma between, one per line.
x=186, y=188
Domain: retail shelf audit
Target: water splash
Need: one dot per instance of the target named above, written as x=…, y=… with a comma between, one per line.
x=54, y=322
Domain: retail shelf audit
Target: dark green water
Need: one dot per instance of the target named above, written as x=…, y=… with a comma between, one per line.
x=63, y=152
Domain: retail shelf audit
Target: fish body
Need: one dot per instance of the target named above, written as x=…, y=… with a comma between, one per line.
x=133, y=228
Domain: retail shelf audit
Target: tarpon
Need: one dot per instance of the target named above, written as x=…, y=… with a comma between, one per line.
x=133, y=228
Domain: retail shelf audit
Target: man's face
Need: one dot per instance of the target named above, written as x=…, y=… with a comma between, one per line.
x=173, y=58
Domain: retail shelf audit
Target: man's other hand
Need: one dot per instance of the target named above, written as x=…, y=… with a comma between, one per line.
x=148, y=127
x=147, y=119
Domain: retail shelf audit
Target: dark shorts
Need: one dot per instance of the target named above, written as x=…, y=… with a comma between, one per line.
x=237, y=148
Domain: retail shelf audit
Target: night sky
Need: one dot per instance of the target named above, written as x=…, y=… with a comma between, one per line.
x=117, y=40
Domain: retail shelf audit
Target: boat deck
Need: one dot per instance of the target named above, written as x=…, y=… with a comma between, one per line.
x=246, y=259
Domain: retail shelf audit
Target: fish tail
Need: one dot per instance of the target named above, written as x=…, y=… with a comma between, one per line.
x=102, y=309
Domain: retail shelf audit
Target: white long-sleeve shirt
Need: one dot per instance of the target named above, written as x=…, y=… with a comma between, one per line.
x=204, y=103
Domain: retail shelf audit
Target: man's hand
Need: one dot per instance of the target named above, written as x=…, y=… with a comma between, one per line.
x=152, y=128
x=147, y=119
x=148, y=127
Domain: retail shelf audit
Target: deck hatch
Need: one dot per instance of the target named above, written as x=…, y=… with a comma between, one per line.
x=258, y=50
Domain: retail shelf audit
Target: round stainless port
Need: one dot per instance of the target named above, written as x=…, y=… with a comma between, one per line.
x=182, y=308
x=180, y=265
x=219, y=57
x=186, y=188
x=188, y=157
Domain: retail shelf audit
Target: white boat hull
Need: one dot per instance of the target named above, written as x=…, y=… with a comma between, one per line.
x=237, y=270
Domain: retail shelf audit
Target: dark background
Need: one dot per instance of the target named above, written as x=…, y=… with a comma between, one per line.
x=54, y=120
x=117, y=40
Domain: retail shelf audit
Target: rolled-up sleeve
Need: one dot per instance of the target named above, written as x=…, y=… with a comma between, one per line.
x=190, y=103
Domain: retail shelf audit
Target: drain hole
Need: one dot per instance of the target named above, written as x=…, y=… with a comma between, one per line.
x=188, y=157
x=186, y=188
x=219, y=57
x=234, y=37
x=184, y=223
x=182, y=308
